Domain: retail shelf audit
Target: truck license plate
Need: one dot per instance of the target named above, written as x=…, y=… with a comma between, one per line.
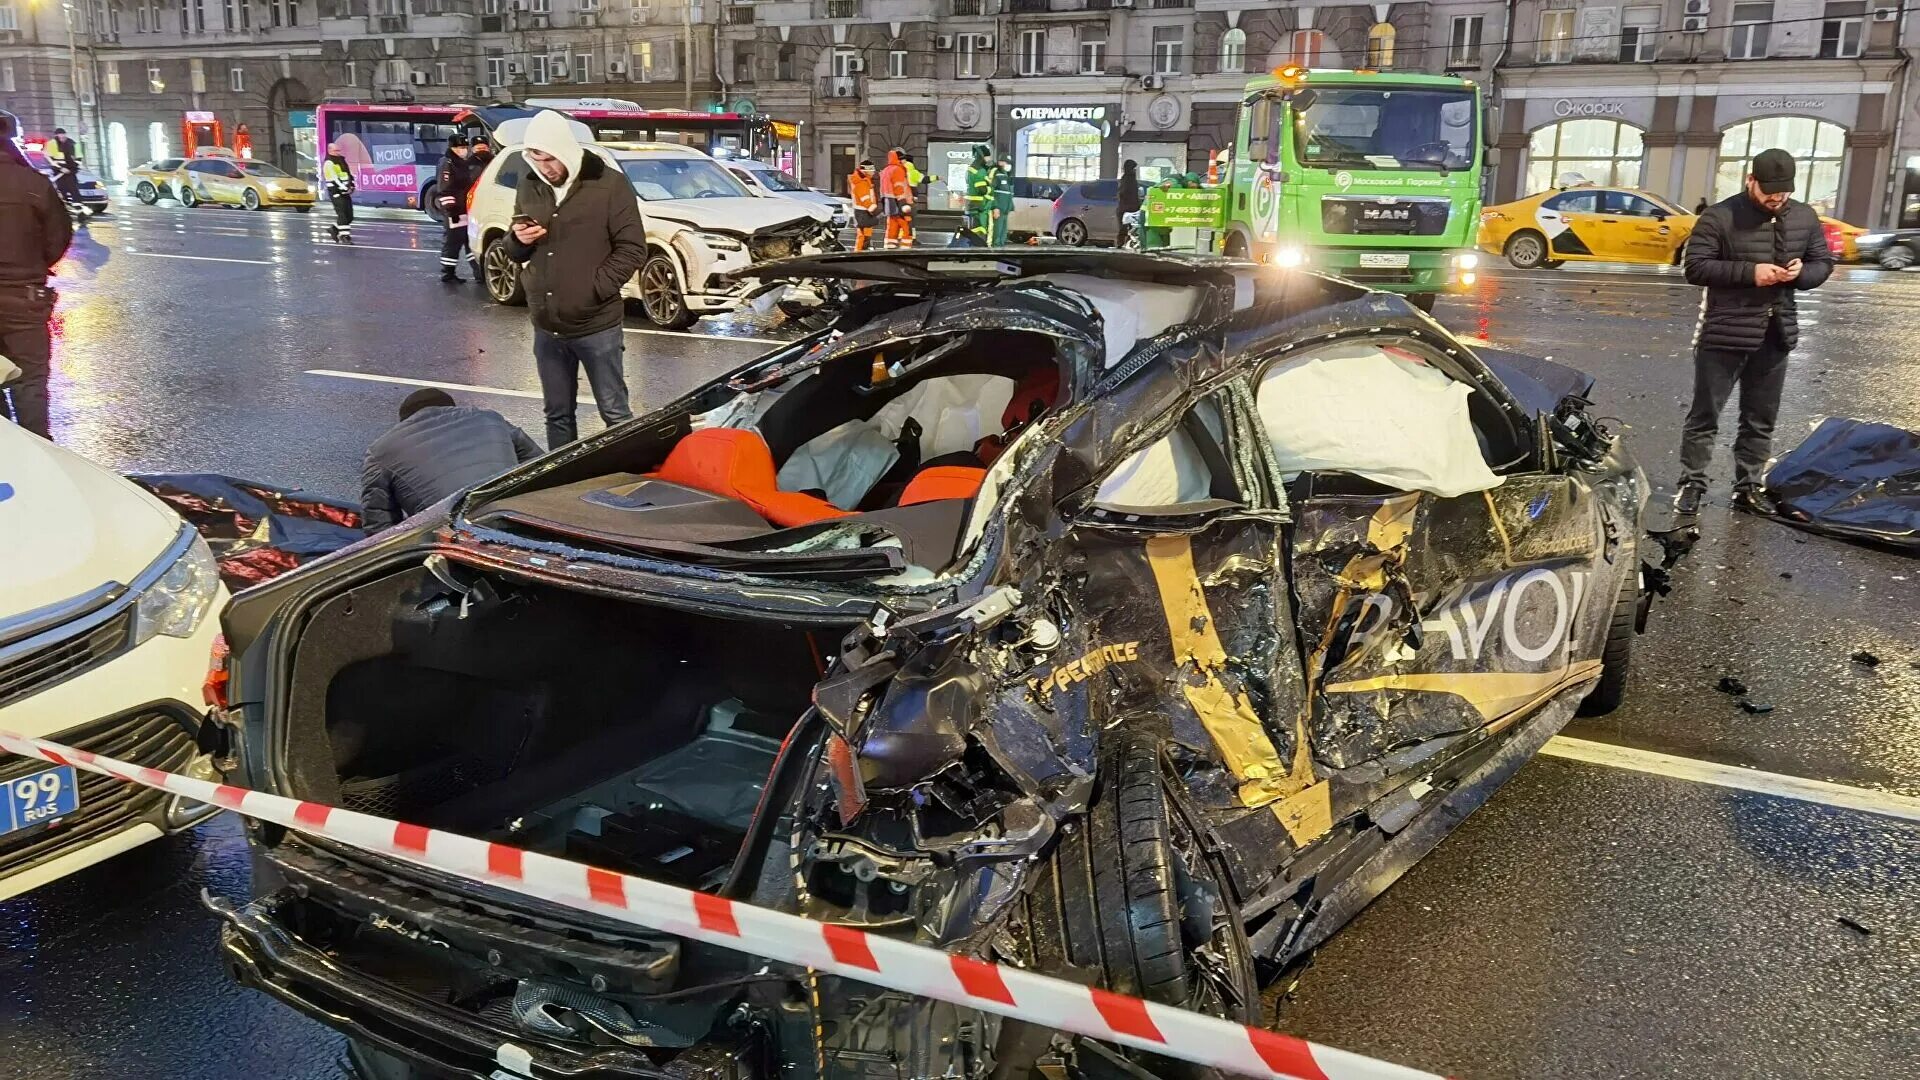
x=38, y=798
x=1383, y=260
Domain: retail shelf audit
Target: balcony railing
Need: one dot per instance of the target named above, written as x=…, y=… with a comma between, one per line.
x=1163, y=5
x=843, y=9
x=967, y=7
x=1030, y=7
x=848, y=88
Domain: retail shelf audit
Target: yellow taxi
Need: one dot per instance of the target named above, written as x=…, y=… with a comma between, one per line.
x=157, y=179
x=1586, y=223
x=234, y=181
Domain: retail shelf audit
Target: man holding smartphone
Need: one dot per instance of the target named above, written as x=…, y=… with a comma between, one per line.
x=1753, y=252
x=577, y=229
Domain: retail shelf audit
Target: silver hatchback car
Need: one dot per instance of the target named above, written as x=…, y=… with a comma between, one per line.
x=1088, y=213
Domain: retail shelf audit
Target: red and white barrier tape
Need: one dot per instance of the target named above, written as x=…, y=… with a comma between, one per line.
x=856, y=954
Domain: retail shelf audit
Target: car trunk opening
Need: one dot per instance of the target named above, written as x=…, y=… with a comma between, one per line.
x=632, y=737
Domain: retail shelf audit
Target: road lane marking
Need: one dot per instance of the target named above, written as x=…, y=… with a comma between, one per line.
x=1779, y=785
x=396, y=380
x=201, y=258
x=707, y=337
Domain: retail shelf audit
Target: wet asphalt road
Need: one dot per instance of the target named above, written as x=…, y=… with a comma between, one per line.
x=1588, y=922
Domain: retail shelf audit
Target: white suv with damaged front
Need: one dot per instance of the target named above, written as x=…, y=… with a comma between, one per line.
x=105, y=637
x=705, y=230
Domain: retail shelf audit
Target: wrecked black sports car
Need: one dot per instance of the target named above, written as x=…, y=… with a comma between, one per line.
x=1132, y=618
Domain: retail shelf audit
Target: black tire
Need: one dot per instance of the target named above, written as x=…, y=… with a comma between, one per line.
x=1071, y=232
x=250, y=199
x=368, y=1062
x=661, y=295
x=1133, y=883
x=146, y=192
x=1553, y=264
x=304, y=209
x=1236, y=247
x=187, y=198
x=1897, y=257
x=1526, y=249
x=1616, y=657
x=501, y=275
x=1423, y=300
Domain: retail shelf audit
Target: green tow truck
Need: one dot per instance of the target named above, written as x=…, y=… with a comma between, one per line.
x=1371, y=176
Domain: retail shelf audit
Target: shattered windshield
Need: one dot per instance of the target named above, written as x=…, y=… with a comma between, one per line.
x=1364, y=128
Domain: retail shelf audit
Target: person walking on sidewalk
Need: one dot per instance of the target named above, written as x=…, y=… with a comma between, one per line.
x=37, y=229
x=337, y=176
x=866, y=204
x=1753, y=252
x=577, y=228
x=451, y=185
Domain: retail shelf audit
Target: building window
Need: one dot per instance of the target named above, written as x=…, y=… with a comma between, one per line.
x=589, y=6
x=1556, y=36
x=1747, y=37
x=583, y=67
x=199, y=16
x=1306, y=47
x=1463, y=49
x=237, y=79
x=643, y=61
x=1817, y=146
x=844, y=61
x=112, y=76
x=1233, y=51
x=155, y=84
x=966, y=61
x=783, y=63
x=1639, y=35
x=1066, y=150
x=843, y=9
x=1033, y=52
x=743, y=62
x=496, y=68
x=197, y=75
x=6, y=70
x=1169, y=49
x=139, y=18
x=896, y=63
x=1600, y=151
x=1844, y=31
x=352, y=73
x=229, y=18
x=1093, y=56
x=1380, y=46
x=537, y=69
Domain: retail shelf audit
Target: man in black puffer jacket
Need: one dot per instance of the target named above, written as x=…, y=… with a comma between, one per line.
x=1752, y=252
x=438, y=448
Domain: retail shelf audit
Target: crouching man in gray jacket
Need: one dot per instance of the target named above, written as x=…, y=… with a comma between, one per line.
x=438, y=449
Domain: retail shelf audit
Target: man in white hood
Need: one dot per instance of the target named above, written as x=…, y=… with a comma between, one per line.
x=577, y=227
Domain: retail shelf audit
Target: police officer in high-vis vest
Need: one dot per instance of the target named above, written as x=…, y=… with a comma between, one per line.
x=451, y=184
x=337, y=177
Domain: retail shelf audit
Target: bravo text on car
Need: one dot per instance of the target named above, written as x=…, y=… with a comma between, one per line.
x=1130, y=618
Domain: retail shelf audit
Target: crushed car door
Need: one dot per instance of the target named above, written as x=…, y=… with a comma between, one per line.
x=1436, y=598
x=1187, y=623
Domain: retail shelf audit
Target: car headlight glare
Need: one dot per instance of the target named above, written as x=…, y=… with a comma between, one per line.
x=721, y=242
x=1467, y=260
x=177, y=603
x=1289, y=256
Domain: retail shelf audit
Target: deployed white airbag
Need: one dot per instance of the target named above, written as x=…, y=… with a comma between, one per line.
x=1167, y=473
x=1130, y=311
x=954, y=412
x=845, y=462
x=1377, y=414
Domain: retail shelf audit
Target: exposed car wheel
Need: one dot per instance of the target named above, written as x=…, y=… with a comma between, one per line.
x=660, y=295
x=304, y=209
x=187, y=198
x=1897, y=257
x=1526, y=249
x=1139, y=905
x=502, y=274
x=146, y=193
x=1071, y=232
x=250, y=199
x=366, y=1062
x=1423, y=300
x=1617, y=655
x=1236, y=247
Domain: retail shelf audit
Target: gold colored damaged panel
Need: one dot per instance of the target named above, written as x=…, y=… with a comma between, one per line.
x=1493, y=694
x=1227, y=714
x=1306, y=814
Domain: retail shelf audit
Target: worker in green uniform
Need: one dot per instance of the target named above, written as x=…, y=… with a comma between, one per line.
x=1153, y=237
x=1002, y=199
x=980, y=192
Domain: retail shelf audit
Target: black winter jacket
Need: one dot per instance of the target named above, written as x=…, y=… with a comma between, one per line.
x=434, y=453
x=454, y=178
x=1732, y=238
x=595, y=243
x=34, y=226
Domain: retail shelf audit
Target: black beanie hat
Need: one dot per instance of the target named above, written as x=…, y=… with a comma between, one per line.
x=429, y=398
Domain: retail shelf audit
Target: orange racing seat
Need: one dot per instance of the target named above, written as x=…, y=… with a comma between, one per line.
x=737, y=463
x=942, y=482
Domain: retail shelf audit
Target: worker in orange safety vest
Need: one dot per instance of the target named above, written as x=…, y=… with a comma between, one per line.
x=866, y=204
x=896, y=200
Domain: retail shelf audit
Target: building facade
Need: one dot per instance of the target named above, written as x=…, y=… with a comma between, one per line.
x=1675, y=96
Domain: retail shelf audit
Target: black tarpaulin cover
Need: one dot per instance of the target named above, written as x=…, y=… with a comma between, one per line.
x=1854, y=479
x=257, y=531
